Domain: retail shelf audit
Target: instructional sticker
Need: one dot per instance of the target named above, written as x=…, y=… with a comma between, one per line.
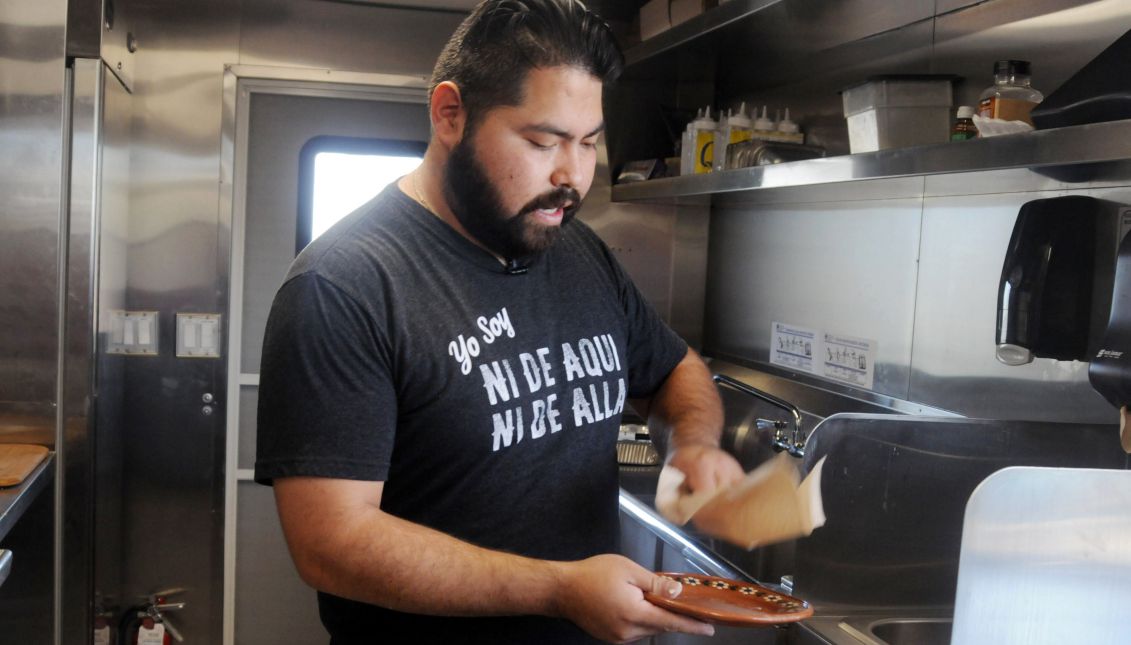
x=849, y=360
x=793, y=347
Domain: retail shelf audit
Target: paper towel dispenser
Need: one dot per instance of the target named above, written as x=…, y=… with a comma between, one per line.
x=1056, y=282
x=1110, y=368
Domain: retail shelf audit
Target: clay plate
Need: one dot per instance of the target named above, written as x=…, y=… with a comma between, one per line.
x=730, y=602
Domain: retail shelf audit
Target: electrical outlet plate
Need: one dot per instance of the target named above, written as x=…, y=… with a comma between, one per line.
x=133, y=333
x=198, y=335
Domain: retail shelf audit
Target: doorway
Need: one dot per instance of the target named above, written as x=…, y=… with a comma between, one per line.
x=305, y=153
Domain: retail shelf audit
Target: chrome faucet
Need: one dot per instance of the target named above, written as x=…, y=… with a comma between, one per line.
x=793, y=442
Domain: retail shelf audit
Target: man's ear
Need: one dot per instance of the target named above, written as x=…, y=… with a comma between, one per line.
x=449, y=117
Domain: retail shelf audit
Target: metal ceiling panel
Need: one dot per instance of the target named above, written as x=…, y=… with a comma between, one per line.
x=611, y=10
x=439, y=5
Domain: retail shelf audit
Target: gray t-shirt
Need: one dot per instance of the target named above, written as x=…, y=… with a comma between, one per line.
x=488, y=402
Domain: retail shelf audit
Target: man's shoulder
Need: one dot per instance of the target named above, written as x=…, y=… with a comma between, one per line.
x=581, y=231
x=371, y=238
x=581, y=243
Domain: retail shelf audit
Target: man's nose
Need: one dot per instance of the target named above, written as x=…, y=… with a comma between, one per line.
x=569, y=167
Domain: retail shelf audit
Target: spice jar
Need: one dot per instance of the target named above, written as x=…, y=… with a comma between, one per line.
x=964, y=127
x=1011, y=97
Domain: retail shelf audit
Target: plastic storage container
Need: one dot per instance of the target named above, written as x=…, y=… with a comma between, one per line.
x=896, y=111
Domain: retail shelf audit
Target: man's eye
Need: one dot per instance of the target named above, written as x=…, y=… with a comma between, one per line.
x=589, y=144
x=539, y=145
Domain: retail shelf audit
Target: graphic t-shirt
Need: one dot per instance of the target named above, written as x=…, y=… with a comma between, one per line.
x=488, y=402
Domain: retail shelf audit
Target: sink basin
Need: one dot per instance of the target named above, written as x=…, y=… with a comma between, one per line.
x=900, y=631
x=921, y=632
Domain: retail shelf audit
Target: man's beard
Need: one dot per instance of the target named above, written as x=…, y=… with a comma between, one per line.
x=479, y=208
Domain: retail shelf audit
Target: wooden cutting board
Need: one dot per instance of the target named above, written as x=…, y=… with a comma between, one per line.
x=17, y=460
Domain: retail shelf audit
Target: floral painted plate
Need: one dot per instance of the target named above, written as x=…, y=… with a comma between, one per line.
x=731, y=602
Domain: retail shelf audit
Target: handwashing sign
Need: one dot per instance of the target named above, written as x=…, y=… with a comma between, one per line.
x=846, y=359
x=849, y=360
x=793, y=347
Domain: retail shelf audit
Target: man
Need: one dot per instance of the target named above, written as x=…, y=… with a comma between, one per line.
x=444, y=370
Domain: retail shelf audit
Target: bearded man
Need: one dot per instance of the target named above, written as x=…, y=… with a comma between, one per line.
x=445, y=369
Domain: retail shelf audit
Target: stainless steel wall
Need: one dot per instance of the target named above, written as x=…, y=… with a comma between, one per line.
x=913, y=263
x=171, y=499
x=964, y=240
x=94, y=394
x=32, y=41
x=842, y=266
x=663, y=248
x=918, y=273
x=33, y=110
x=75, y=450
x=343, y=36
x=177, y=254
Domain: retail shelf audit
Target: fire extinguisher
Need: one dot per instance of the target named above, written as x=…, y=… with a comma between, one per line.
x=102, y=633
x=152, y=632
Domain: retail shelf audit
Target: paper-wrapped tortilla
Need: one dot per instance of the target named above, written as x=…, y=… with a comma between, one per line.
x=770, y=504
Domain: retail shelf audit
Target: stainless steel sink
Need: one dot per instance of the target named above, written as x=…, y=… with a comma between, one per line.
x=899, y=631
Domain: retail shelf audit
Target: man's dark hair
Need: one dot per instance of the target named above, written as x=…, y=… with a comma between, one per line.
x=491, y=53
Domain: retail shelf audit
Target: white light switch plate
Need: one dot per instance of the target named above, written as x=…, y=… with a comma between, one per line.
x=133, y=333
x=198, y=335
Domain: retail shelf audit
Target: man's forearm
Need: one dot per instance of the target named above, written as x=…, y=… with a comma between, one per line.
x=687, y=409
x=344, y=544
x=378, y=558
x=687, y=414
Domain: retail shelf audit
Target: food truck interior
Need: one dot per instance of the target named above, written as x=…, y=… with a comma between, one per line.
x=898, y=311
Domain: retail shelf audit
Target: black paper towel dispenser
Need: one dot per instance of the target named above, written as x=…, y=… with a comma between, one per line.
x=1055, y=291
x=1110, y=368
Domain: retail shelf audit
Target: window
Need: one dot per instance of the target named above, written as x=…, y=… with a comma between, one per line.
x=339, y=174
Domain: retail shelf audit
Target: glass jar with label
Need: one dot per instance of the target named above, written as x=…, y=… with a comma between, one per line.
x=1011, y=97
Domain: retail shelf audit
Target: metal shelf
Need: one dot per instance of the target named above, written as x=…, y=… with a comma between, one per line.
x=16, y=500
x=1061, y=147
x=697, y=27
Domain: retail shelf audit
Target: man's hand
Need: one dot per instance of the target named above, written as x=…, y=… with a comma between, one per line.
x=686, y=415
x=604, y=595
x=705, y=467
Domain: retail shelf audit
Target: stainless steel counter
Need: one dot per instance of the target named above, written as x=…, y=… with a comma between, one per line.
x=28, y=558
x=16, y=500
x=1046, y=558
x=656, y=544
x=883, y=569
x=922, y=628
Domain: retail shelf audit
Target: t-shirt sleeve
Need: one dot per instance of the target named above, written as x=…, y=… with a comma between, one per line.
x=327, y=406
x=653, y=348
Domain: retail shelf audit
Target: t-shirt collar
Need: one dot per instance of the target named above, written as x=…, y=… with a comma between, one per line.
x=452, y=238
